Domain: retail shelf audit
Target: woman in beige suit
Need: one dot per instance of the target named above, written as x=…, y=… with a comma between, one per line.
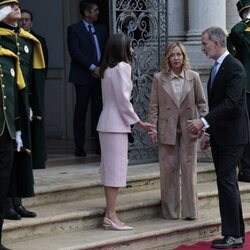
x=177, y=94
x=114, y=123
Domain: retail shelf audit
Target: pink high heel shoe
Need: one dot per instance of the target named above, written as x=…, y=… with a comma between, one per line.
x=111, y=225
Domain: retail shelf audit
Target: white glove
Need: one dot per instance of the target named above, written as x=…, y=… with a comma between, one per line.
x=31, y=114
x=19, y=142
x=4, y=12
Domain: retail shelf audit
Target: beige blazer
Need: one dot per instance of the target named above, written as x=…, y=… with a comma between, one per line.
x=164, y=111
x=118, y=113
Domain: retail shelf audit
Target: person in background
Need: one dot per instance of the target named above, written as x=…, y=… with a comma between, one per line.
x=86, y=41
x=11, y=82
x=39, y=155
x=29, y=51
x=239, y=37
x=26, y=23
x=114, y=123
x=227, y=130
x=176, y=94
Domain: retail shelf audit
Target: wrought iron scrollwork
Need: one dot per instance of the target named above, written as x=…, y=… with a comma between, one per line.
x=145, y=22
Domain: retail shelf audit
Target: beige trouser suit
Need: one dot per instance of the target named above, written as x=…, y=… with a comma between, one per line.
x=174, y=101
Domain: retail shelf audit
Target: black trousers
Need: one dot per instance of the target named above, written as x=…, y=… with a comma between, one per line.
x=225, y=161
x=84, y=94
x=6, y=162
x=245, y=160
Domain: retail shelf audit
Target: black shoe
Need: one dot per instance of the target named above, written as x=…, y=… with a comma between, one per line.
x=243, y=177
x=189, y=218
x=80, y=152
x=2, y=247
x=227, y=242
x=219, y=240
x=11, y=214
x=23, y=212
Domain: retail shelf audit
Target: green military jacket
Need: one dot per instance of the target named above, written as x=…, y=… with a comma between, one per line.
x=29, y=51
x=30, y=54
x=239, y=45
x=11, y=81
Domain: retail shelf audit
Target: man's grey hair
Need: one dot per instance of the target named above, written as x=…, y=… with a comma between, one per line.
x=216, y=34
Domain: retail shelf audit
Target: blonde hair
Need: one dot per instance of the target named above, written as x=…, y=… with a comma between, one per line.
x=165, y=65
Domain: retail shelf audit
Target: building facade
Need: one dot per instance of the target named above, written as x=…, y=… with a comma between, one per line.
x=153, y=23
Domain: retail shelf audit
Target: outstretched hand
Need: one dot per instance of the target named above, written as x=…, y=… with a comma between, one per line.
x=148, y=127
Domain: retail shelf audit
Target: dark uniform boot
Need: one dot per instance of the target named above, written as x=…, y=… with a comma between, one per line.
x=17, y=203
x=9, y=211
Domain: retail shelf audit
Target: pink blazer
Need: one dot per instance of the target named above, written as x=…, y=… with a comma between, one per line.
x=117, y=113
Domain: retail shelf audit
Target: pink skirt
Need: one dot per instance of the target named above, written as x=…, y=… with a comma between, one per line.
x=114, y=159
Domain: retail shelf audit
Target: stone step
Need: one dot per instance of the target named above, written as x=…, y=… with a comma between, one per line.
x=86, y=214
x=80, y=181
x=149, y=234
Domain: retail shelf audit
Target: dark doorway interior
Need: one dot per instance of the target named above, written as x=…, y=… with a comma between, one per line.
x=104, y=12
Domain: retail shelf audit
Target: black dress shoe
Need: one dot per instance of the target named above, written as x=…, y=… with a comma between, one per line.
x=189, y=218
x=23, y=212
x=80, y=152
x=227, y=242
x=219, y=240
x=11, y=214
x=2, y=247
x=243, y=177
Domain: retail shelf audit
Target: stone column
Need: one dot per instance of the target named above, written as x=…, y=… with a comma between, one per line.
x=176, y=20
x=232, y=16
x=203, y=14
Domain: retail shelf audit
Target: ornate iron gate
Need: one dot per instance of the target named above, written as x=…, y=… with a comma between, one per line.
x=145, y=21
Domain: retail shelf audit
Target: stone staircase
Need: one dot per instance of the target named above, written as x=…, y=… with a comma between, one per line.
x=70, y=205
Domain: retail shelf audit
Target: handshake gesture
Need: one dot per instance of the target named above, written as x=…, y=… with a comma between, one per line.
x=148, y=127
x=196, y=127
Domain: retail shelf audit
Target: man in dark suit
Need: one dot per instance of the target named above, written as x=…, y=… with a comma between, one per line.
x=239, y=37
x=86, y=41
x=227, y=127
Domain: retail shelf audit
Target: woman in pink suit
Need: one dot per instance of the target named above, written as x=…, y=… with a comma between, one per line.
x=114, y=123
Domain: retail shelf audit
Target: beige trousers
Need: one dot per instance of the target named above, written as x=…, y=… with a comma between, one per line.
x=178, y=176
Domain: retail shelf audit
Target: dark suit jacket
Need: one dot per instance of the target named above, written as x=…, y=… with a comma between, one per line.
x=44, y=47
x=82, y=49
x=228, y=118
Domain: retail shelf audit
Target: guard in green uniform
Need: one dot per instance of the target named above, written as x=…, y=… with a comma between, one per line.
x=29, y=50
x=239, y=46
x=11, y=82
